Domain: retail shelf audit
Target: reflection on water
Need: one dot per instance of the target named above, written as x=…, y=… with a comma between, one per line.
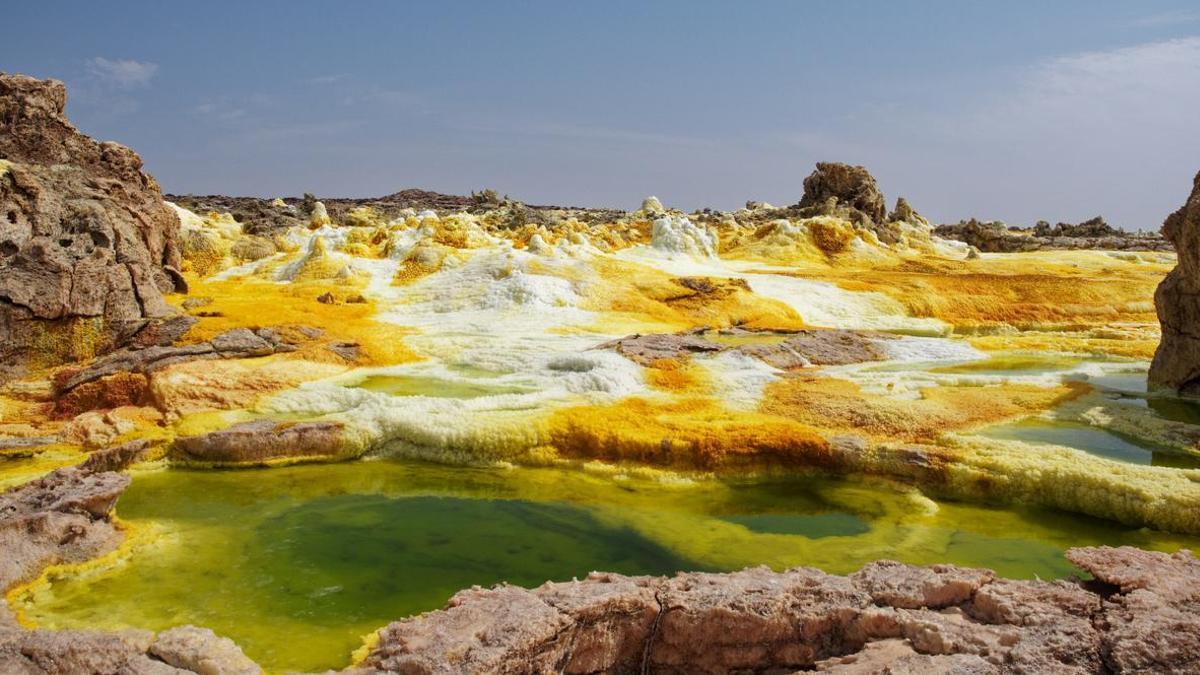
x=1184, y=410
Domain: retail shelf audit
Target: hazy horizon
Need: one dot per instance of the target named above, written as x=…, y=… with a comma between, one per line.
x=1058, y=113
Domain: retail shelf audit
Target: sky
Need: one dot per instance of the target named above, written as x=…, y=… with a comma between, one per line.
x=1016, y=111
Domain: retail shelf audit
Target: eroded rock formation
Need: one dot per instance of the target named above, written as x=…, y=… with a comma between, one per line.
x=179, y=651
x=87, y=245
x=61, y=518
x=1141, y=616
x=264, y=441
x=997, y=237
x=1176, y=364
x=851, y=186
x=799, y=349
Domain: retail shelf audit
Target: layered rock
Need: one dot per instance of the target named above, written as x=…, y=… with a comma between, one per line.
x=178, y=651
x=1176, y=364
x=61, y=518
x=87, y=245
x=265, y=441
x=851, y=186
x=798, y=349
x=1092, y=234
x=888, y=617
x=851, y=193
x=1151, y=613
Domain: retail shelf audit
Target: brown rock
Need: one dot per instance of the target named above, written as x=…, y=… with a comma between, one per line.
x=898, y=585
x=87, y=245
x=832, y=347
x=163, y=332
x=243, y=342
x=202, y=651
x=1152, y=622
x=904, y=212
x=120, y=457
x=112, y=391
x=646, y=349
x=233, y=344
x=754, y=620
x=179, y=651
x=886, y=618
x=991, y=237
x=261, y=441
x=73, y=652
x=801, y=349
x=63, y=517
x=897, y=657
x=1176, y=364
x=852, y=186
x=505, y=629
x=349, y=351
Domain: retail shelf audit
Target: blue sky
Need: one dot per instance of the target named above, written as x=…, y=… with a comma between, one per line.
x=1016, y=111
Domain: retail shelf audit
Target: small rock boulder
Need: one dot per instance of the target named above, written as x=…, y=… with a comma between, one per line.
x=264, y=441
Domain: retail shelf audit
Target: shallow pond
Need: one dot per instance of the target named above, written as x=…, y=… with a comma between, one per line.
x=1090, y=439
x=296, y=564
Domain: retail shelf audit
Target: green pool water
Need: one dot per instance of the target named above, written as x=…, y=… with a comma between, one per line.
x=298, y=563
x=1176, y=409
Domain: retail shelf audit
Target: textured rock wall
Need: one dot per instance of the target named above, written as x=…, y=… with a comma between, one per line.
x=1176, y=364
x=1140, y=615
x=87, y=245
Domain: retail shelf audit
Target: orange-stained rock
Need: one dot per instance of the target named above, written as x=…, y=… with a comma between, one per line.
x=113, y=391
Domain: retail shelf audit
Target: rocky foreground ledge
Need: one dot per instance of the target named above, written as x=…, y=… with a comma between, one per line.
x=1140, y=614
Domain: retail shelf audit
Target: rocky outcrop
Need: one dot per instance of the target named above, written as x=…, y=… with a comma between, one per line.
x=904, y=212
x=265, y=216
x=991, y=236
x=178, y=651
x=263, y=442
x=87, y=245
x=61, y=518
x=202, y=651
x=1151, y=612
x=799, y=349
x=1141, y=616
x=646, y=349
x=1176, y=364
x=1092, y=234
x=850, y=186
x=851, y=193
x=233, y=344
x=1090, y=228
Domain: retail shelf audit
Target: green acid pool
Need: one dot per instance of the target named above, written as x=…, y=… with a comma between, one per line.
x=297, y=564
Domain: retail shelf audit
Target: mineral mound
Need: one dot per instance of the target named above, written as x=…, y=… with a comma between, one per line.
x=87, y=245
